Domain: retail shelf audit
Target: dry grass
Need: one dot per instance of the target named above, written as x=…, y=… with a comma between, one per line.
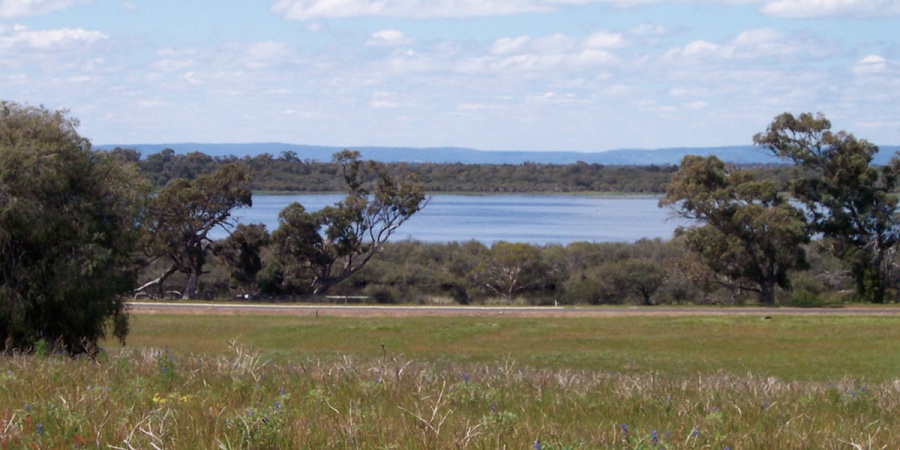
x=157, y=399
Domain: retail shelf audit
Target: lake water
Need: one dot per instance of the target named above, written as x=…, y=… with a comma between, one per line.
x=535, y=219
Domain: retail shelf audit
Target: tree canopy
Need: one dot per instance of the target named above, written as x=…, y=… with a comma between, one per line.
x=747, y=233
x=850, y=202
x=327, y=246
x=69, y=222
x=183, y=213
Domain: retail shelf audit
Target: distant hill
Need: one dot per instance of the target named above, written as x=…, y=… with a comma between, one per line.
x=745, y=154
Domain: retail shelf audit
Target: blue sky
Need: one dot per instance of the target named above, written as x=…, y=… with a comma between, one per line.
x=581, y=75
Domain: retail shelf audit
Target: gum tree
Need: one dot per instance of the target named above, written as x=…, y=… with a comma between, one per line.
x=181, y=216
x=849, y=201
x=747, y=234
x=324, y=247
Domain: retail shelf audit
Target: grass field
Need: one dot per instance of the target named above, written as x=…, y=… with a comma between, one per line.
x=737, y=382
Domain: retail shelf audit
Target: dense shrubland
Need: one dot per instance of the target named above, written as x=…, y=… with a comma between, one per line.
x=647, y=272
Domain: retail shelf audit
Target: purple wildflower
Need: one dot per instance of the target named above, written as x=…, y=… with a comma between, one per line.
x=654, y=437
x=40, y=429
x=537, y=445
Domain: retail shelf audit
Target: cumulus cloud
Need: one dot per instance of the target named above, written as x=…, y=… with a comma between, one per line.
x=552, y=52
x=604, y=39
x=504, y=46
x=830, y=8
x=457, y=9
x=388, y=38
x=27, y=8
x=19, y=35
x=872, y=64
x=750, y=44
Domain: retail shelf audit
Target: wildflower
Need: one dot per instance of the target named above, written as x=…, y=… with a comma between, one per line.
x=282, y=391
x=27, y=408
x=654, y=437
x=624, y=429
x=185, y=398
x=696, y=432
x=40, y=429
x=493, y=406
x=765, y=405
x=162, y=369
x=277, y=405
x=537, y=445
x=466, y=378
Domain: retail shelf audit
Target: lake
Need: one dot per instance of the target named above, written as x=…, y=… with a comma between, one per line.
x=534, y=219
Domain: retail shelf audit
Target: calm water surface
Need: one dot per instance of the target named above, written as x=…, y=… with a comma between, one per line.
x=535, y=219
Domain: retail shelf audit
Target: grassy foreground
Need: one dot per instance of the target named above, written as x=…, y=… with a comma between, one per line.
x=633, y=382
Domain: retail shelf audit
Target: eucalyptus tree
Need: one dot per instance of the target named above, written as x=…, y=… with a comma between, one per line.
x=181, y=217
x=849, y=201
x=748, y=234
x=241, y=252
x=323, y=248
x=69, y=223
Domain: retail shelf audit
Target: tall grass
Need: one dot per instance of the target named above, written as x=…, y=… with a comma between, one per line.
x=237, y=399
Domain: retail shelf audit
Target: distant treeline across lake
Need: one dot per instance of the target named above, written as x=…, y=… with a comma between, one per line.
x=534, y=219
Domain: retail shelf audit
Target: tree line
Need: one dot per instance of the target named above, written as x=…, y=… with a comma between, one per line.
x=287, y=172
x=82, y=229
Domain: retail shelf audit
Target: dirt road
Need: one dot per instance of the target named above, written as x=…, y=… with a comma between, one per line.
x=485, y=311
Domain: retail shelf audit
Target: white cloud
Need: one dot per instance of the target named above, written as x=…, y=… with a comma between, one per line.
x=605, y=39
x=830, y=8
x=27, y=8
x=383, y=100
x=420, y=9
x=870, y=65
x=553, y=52
x=757, y=43
x=388, y=38
x=191, y=78
x=46, y=39
x=509, y=45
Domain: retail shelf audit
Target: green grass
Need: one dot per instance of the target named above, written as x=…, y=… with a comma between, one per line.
x=805, y=348
x=462, y=382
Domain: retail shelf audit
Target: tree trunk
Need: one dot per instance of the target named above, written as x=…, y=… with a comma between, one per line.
x=767, y=292
x=157, y=282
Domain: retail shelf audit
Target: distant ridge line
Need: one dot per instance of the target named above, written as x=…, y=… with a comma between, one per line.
x=737, y=154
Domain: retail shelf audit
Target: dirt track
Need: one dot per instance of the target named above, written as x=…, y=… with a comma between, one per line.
x=485, y=311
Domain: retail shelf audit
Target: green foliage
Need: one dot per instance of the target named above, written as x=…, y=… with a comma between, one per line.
x=182, y=215
x=750, y=237
x=69, y=220
x=850, y=202
x=242, y=252
x=329, y=245
x=511, y=269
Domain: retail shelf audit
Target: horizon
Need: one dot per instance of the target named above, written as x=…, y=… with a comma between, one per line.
x=586, y=76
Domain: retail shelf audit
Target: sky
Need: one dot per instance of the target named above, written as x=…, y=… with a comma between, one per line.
x=535, y=75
